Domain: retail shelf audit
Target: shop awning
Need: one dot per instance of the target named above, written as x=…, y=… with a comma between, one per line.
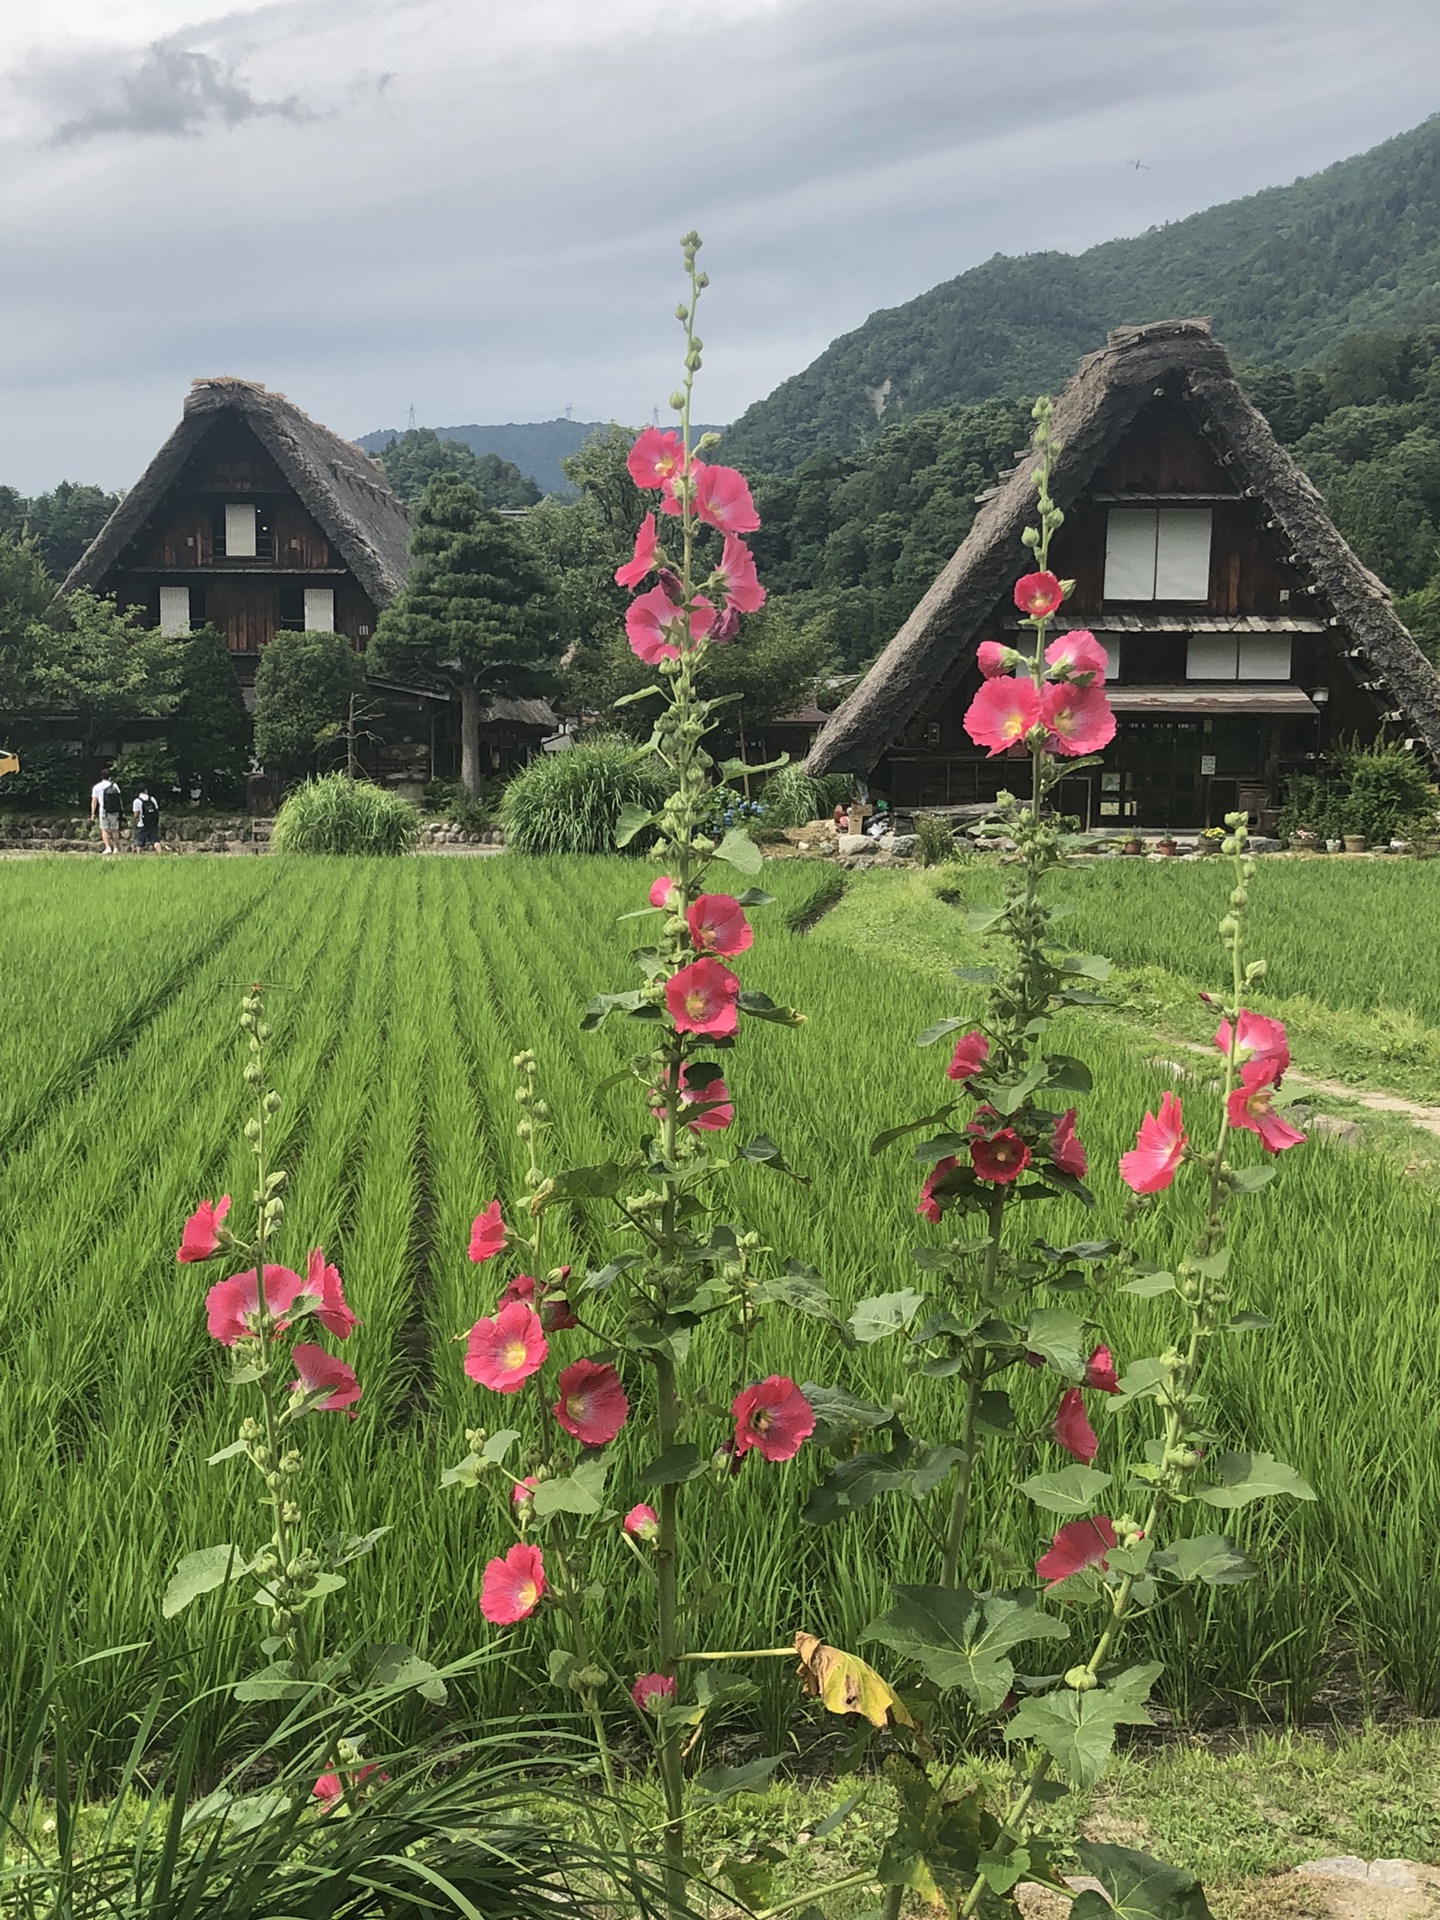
x=1209, y=698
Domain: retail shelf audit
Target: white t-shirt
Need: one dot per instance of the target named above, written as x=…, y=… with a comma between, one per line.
x=97, y=794
x=135, y=807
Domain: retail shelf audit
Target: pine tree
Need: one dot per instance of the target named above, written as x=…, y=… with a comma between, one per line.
x=475, y=613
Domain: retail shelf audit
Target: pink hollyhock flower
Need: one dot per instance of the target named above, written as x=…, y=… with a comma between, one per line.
x=512, y=1588
x=994, y=659
x=662, y=891
x=1151, y=1163
x=656, y=457
x=1077, y=719
x=702, y=997
x=1038, y=594
x=1261, y=1041
x=711, y=1095
x=1066, y=1152
x=522, y=1287
x=503, y=1353
x=232, y=1307
x=1002, y=713
x=737, y=579
x=646, y=547
x=329, y=1789
x=1073, y=1429
x=1100, y=1372
x=642, y=1523
x=717, y=924
x=1077, y=1545
x=656, y=629
x=487, y=1233
x=317, y=1370
x=1001, y=1157
x=201, y=1238
x=972, y=1050
x=522, y=1494
x=1077, y=652
x=592, y=1404
x=1249, y=1106
x=773, y=1416
x=651, y=1691
x=929, y=1207
x=722, y=499
x=322, y=1283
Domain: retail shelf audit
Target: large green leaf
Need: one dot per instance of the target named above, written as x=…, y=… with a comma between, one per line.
x=579, y=1492
x=885, y=1314
x=855, y=1483
x=961, y=1639
x=201, y=1572
x=840, y=1418
x=1073, y=1490
x=632, y=820
x=1141, y=1888
x=1210, y=1557
x=738, y=850
x=1244, y=1477
x=1059, y=1336
x=716, y=1784
x=1077, y=1730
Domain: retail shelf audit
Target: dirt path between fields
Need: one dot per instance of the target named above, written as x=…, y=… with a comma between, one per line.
x=1419, y=1115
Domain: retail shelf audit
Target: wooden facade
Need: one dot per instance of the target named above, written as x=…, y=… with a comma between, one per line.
x=1244, y=639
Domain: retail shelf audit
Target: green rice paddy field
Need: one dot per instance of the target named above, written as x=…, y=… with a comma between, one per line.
x=401, y=990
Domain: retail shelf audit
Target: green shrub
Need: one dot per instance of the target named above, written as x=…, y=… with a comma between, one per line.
x=49, y=776
x=151, y=765
x=569, y=802
x=934, y=840
x=335, y=814
x=1385, y=789
x=793, y=798
x=449, y=798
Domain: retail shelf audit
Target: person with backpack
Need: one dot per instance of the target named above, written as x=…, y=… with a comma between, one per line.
x=146, y=810
x=105, y=803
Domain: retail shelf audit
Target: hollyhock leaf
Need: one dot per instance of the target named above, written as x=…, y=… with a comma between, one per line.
x=275, y=1682
x=717, y=1784
x=1087, y=966
x=840, y=1418
x=622, y=1263
x=1211, y=1557
x=976, y=976
x=1149, y=1286
x=228, y=1453
x=995, y=1414
x=498, y=1445
x=1244, y=1477
x=579, y=1492
x=1073, y=1490
x=673, y=1466
x=399, y=1669
x=1059, y=1336
x=755, y=897
x=892, y=1134
x=885, y=1314
x=632, y=820
x=856, y=1482
x=600, y=1182
x=1066, y=1075
x=982, y=919
x=1077, y=1730
x=761, y=1152
x=960, y=1639
x=843, y=1683
x=938, y=1032
x=800, y=1288
x=1246, y=1323
x=738, y=850
x=604, y=1004
x=1251, y=1179
x=201, y=1572
x=1141, y=1888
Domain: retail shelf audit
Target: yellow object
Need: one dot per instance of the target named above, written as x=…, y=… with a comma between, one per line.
x=8, y=763
x=845, y=1684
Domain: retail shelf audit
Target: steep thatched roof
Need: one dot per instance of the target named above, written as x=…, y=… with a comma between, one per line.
x=339, y=485
x=1108, y=391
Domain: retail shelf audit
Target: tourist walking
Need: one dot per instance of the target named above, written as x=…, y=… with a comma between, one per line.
x=146, y=811
x=105, y=804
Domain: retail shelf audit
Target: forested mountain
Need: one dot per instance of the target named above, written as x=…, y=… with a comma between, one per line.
x=1285, y=274
x=536, y=447
x=859, y=538
x=64, y=522
x=414, y=457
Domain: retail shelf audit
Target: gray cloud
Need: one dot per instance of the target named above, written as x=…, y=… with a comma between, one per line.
x=174, y=90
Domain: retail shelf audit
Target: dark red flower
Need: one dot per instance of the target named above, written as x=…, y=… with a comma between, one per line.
x=972, y=1050
x=1066, y=1152
x=774, y=1417
x=1100, y=1372
x=201, y=1238
x=1000, y=1157
x=1072, y=1426
x=1077, y=1545
x=929, y=1207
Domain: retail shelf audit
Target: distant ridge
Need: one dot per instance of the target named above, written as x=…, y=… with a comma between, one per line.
x=1283, y=275
x=536, y=446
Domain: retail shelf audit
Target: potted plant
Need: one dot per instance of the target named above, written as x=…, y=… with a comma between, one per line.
x=1132, y=843
x=1167, y=845
x=1211, y=839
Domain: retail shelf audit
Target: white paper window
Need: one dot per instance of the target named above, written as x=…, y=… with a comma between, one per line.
x=1264, y=656
x=1157, y=553
x=174, y=610
x=1182, y=553
x=239, y=533
x=1210, y=656
x=319, y=609
x=1130, y=554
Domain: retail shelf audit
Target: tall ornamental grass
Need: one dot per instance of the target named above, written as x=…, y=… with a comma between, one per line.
x=570, y=802
x=793, y=797
x=335, y=814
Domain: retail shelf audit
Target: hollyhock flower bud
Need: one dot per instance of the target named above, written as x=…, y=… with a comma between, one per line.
x=1002, y=713
x=1078, y=653
x=972, y=1050
x=512, y=1588
x=646, y=548
x=717, y=924
x=1249, y=1106
x=993, y=659
x=929, y=1207
x=1038, y=594
x=1077, y=719
x=522, y=1494
x=651, y=1691
x=642, y=1523
x=330, y=1788
x=1072, y=1427
x=723, y=627
x=1159, y=1148
x=487, y=1233
x=671, y=585
x=702, y=998
x=317, y=1370
x=662, y=891
x=1077, y=1545
x=503, y=1353
x=201, y=1238
x=592, y=1404
x=774, y=1417
x=1066, y=1152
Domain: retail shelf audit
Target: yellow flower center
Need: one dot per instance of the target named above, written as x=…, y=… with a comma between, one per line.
x=514, y=1356
x=576, y=1406
x=695, y=1004
x=526, y=1594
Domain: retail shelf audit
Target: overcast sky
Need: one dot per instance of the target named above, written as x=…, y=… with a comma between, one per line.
x=471, y=206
